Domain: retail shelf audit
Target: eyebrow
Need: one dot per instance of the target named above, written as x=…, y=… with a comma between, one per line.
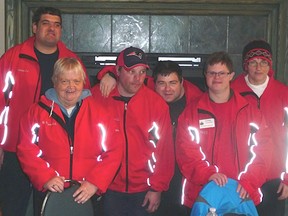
x=45, y=20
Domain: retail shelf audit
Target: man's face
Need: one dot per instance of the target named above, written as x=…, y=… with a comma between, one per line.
x=131, y=81
x=218, y=78
x=47, y=31
x=69, y=86
x=257, y=71
x=169, y=87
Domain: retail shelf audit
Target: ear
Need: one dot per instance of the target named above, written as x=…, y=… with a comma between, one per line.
x=34, y=28
x=117, y=70
x=232, y=75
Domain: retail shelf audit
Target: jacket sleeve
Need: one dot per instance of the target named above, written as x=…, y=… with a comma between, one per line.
x=260, y=145
x=6, y=87
x=284, y=177
x=160, y=135
x=190, y=158
x=28, y=152
x=105, y=70
x=284, y=174
x=110, y=159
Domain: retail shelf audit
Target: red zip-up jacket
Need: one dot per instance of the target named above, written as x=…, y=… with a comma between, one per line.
x=45, y=149
x=25, y=71
x=148, y=161
x=195, y=150
x=273, y=103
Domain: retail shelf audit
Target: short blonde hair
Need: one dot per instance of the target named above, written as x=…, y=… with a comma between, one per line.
x=64, y=64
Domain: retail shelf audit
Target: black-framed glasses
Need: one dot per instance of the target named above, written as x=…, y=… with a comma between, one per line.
x=220, y=74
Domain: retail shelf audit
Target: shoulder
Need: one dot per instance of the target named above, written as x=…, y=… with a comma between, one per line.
x=13, y=51
x=147, y=94
x=238, y=81
x=192, y=92
x=65, y=52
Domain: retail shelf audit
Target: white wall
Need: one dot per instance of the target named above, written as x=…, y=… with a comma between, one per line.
x=2, y=27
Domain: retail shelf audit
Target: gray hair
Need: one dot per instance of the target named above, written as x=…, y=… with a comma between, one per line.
x=64, y=64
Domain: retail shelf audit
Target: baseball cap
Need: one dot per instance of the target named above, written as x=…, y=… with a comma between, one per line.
x=132, y=57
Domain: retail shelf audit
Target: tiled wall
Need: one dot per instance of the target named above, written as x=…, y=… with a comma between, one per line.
x=163, y=34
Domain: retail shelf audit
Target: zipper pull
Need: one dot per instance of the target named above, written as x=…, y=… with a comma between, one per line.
x=71, y=150
x=125, y=106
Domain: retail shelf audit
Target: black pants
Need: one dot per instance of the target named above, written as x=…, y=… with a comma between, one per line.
x=15, y=187
x=124, y=204
x=270, y=204
x=171, y=200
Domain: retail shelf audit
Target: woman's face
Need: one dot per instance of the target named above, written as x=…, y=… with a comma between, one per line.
x=69, y=86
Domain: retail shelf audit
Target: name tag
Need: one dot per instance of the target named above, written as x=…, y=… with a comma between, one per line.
x=207, y=123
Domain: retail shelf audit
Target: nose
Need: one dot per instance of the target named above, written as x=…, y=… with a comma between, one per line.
x=52, y=26
x=137, y=76
x=167, y=87
x=258, y=66
x=71, y=83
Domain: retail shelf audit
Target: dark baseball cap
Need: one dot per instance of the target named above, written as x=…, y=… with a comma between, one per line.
x=132, y=57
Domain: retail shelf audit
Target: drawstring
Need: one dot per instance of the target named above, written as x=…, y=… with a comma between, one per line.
x=51, y=110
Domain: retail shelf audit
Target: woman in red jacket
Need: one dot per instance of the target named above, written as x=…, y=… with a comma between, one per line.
x=67, y=135
x=258, y=85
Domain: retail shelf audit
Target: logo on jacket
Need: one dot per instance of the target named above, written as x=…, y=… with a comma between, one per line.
x=206, y=123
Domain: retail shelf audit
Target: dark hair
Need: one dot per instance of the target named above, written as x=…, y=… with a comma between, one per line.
x=165, y=68
x=219, y=57
x=45, y=10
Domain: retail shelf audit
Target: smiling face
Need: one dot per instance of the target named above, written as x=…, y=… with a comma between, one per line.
x=218, y=78
x=68, y=79
x=47, y=32
x=69, y=87
x=169, y=87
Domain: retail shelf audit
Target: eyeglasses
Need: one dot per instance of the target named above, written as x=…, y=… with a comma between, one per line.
x=262, y=63
x=220, y=74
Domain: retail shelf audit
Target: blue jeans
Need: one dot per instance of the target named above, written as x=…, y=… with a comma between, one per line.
x=124, y=204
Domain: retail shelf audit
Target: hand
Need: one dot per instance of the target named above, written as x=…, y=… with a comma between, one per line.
x=153, y=200
x=243, y=194
x=1, y=157
x=283, y=191
x=84, y=192
x=107, y=84
x=55, y=184
x=219, y=178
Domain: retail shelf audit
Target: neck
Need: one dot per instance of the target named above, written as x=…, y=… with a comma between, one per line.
x=124, y=93
x=45, y=49
x=257, y=82
x=219, y=97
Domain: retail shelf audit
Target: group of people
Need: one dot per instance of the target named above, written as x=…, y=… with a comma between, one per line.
x=146, y=144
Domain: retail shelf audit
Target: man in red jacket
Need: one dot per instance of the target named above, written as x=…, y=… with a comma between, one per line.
x=168, y=82
x=258, y=86
x=148, y=162
x=222, y=135
x=26, y=71
x=178, y=93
